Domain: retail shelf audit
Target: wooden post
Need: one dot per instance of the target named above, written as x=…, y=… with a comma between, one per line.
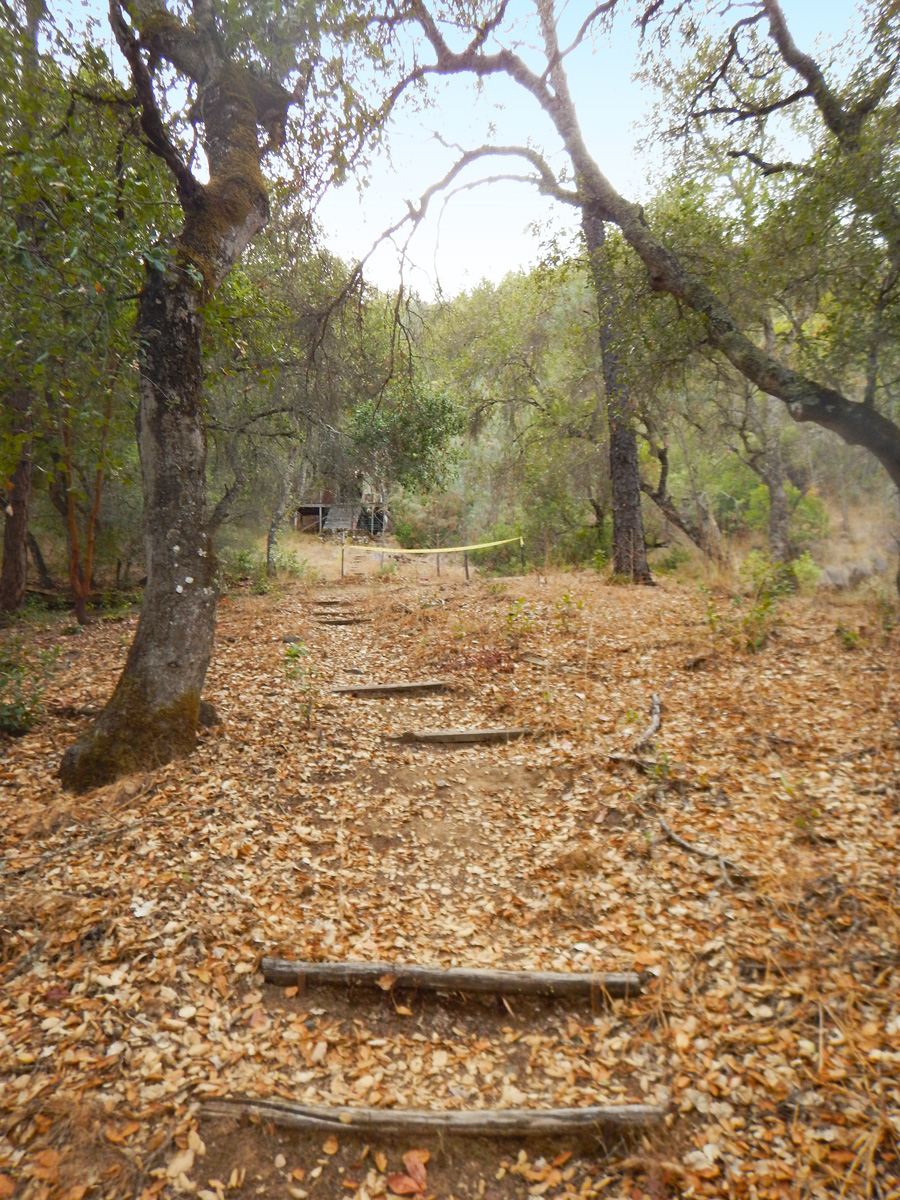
x=522, y=549
x=342, y=554
x=466, y=564
x=437, y=557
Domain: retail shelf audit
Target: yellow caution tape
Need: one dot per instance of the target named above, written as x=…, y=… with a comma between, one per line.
x=439, y=549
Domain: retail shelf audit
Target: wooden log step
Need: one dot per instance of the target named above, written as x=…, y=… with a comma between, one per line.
x=503, y=1122
x=392, y=689
x=584, y=985
x=329, y=602
x=461, y=736
x=344, y=620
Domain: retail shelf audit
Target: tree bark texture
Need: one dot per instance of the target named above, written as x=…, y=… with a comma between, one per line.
x=153, y=713
x=40, y=565
x=629, y=553
x=14, y=570
x=574, y=985
x=493, y=1123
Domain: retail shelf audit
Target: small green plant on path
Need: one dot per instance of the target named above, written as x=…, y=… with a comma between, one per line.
x=300, y=671
x=519, y=620
x=764, y=581
x=850, y=639
x=567, y=610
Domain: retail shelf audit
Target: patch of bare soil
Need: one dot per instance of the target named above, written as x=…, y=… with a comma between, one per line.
x=744, y=857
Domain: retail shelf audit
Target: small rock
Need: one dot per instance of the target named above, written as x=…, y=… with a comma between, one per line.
x=280, y=1161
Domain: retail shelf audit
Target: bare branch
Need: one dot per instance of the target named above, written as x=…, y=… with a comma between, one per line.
x=768, y=168
x=844, y=125
x=155, y=131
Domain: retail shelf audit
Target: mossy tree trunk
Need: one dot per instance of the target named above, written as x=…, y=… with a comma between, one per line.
x=14, y=571
x=152, y=715
x=629, y=553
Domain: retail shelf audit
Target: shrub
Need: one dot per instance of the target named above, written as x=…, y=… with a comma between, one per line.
x=23, y=679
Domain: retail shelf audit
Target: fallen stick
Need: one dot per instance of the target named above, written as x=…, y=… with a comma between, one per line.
x=644, y=765
x=580, y=985
x=507, y=1122
x=655, y=721
x=725, y=864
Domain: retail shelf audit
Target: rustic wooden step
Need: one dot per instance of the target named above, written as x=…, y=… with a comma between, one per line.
x=332, y=602
x=460, y=736
x=504, y=1122
x=584, y=985
x=392, y=689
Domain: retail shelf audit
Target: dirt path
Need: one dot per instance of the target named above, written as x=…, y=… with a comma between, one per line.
x=134, y=919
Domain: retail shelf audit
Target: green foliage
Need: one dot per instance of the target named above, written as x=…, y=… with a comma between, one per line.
x=499, y=560
x=600, y=558
x=713, y=616
x=243, y=565
x=676, y=557
x=519, y=620
x=806, y=572
x=23, y=679
x=764, y=583
x=568, y=610
x=406, y=433
x=809, y=521
x=849, y=638
x=287, y=563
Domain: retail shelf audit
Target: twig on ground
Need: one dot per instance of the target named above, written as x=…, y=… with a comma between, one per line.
x=652, y=728
x=740, y=874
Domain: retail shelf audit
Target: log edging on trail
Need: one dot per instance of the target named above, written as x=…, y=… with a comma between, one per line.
x=344, y=620
x=391, y=689
x=504, y=1122
x=580, y=985
x=460, y=737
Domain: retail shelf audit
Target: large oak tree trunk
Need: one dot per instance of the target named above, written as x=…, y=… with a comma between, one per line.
x=13, y=573
x=153, y=714
x=629, y=554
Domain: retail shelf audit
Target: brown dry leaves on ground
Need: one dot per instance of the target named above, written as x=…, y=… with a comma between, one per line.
x=133, y=919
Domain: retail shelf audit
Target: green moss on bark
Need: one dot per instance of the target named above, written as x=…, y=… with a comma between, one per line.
x=130, y=736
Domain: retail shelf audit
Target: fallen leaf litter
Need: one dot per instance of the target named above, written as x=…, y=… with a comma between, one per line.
x=134, y=920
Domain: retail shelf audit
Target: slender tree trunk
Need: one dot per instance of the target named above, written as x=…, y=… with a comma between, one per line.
x=285, y=491
x=13, y=573
x=629, y=554
x=779, y=516
x=40, y=565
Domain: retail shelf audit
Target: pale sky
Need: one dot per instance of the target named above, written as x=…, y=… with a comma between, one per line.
x=486, y=232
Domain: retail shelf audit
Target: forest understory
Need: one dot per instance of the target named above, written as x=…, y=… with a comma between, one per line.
x=743, y=857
